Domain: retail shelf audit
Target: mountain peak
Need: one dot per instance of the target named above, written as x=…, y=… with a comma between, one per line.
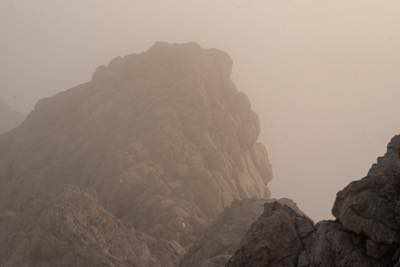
x=163, y=138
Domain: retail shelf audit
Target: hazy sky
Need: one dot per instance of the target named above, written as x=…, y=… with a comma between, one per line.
x=323, y=75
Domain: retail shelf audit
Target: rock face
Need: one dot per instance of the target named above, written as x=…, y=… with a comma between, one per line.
x=334, y=245
x=71, y=230
x=223, y=237
x=366, y=232
x=277, y=238
x=163, y=139
x=8, y=117
x=371, y=206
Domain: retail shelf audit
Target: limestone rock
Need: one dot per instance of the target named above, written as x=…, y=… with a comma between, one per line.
x=334, y=246
x=366, y=232
x=71, y=230
x=371, y=206
x=277, y=238
x=223, y=237
x=163, y=139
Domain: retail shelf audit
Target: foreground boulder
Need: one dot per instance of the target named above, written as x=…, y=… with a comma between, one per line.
x=278, y=238
x=163, y=139
x=366, y=232
x=223, y=237
x=371, y=206
x=335, y=246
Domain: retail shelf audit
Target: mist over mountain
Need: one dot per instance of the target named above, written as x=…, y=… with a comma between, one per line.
x=9, y=118
x=143, y=158
x=156, y=161
x=322, y=76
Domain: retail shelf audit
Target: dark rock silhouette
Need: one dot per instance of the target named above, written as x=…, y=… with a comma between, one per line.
x=9, y=118
x=334, y=245
x=163, y=139
x=224, y=236
x=371, y=206
x=366, y=232
x=277, y=238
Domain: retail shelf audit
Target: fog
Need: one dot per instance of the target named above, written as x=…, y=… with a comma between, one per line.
x=322, y=75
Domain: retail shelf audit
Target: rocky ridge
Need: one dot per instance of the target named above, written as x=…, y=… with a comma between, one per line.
x=365, y=232
x=71, y=230
x=223, y=238
x=162, y=140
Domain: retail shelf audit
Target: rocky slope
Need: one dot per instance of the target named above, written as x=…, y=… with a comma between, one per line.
x=8, y=117
x=222, y=239
x=366, y=231
x=163, y=139
x=277, y=238
x=71, y=230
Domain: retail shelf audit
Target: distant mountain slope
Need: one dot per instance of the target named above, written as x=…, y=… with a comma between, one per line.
x=163, y=139
x=8, y=117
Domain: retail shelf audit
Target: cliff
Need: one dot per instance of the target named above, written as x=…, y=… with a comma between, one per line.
x=366, y=231
x=163, y=140
x=223, y=238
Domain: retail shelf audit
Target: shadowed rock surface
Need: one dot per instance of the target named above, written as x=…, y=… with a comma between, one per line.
x=333, y=245
x=366, y=232
x=277, y=238
x=162, y=138
x=371, y=205
x=223, y=237
x=8, y=117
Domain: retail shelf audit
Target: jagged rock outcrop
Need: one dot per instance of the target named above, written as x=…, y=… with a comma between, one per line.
x=71, y=230
x=8, y=117
x=371, y=206
x=163, y=139
x=366, y=232
x=335, y=246
x=223, y=237
x=277, y=239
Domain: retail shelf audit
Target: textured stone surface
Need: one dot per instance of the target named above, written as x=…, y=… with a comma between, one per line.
x=71, y=230
x=335, y=246
x=162, y=138
x=277, y=238
x=223, y=237
x=371, y=206
x=366, y=232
